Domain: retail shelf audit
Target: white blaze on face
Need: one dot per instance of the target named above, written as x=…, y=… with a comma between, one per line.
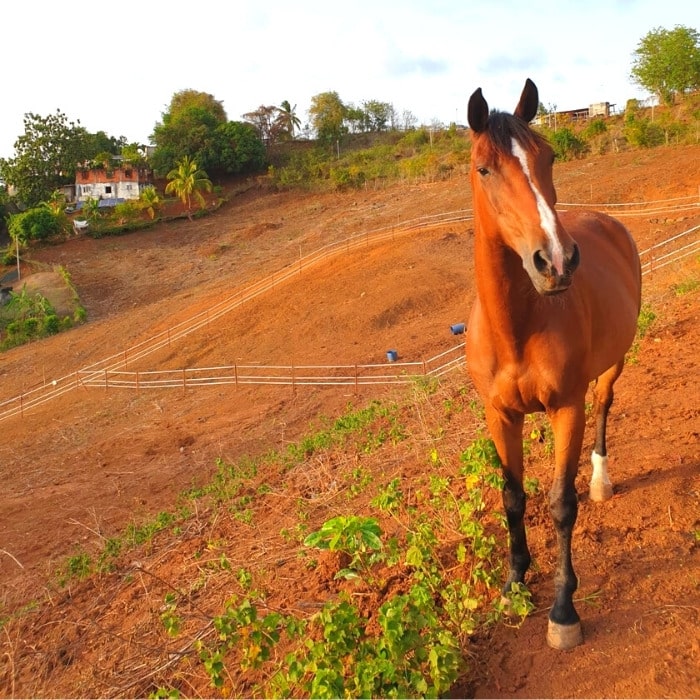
x=548, y=219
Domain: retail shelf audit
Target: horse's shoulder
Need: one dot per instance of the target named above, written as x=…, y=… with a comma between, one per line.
x=590, y=219
x=595, y=230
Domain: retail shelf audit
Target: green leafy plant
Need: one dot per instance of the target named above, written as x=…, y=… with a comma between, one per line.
x=644, y=322
x=481, y=461
x=77, y=566
x=171, y=621
x=685, y=287
x=356, y=536
x=150, y=201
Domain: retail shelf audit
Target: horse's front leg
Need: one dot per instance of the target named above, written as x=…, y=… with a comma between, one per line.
x=564, y=631
x=506, y=430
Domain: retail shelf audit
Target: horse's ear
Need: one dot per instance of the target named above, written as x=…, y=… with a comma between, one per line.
x=529, y=102
x=478, y=111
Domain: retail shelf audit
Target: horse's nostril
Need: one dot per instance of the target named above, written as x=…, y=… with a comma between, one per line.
x=542, y=262
x=574, y=260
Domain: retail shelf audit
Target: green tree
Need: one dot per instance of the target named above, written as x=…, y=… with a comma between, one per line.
x=193, y=99
x=379, y=115
x=355, y=119
x=328, y=114
x=188, y=129
x=132, y=155
x=100, y=142
x=238, y=149
x=667, y=62
x=46, y=157
x=187, y=181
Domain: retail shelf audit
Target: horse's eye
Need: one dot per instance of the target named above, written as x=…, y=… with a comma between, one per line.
x=482, y=171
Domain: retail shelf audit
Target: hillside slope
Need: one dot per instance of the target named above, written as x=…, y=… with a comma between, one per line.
x=81, y=467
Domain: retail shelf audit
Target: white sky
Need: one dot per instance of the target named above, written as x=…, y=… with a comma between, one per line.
x=115, y=67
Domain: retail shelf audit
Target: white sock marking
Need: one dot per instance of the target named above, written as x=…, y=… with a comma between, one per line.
x=600, y=468
x=548, y=219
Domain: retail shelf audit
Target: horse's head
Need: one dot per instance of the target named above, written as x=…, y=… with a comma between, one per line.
x=511, y=177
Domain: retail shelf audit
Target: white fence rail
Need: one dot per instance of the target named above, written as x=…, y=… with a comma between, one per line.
x=111, y=372
x=280, y=375
x=670, y=250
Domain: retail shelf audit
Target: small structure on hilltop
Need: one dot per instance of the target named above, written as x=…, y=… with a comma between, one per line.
x=119, y=183
x=597, y=109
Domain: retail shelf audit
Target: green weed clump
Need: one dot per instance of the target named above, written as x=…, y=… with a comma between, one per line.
x=438, y=579
x=28, y=317
x=644, y=322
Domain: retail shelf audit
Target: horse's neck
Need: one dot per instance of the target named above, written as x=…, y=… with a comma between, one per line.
x=504, y=291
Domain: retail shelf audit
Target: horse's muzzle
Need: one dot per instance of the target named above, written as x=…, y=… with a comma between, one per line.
x=545, y=276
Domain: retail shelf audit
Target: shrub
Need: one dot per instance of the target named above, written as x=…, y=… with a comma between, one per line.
x=52, y=324
x=127, y=211
x=414, y=139
x=643, y=132
x=595, y=127
x=38, y=224
x=566, y=144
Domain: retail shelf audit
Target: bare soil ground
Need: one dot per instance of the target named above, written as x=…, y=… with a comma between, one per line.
x=79, y=468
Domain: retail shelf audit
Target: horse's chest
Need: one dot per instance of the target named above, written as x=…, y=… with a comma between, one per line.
x=520, y=389
x=525, y=382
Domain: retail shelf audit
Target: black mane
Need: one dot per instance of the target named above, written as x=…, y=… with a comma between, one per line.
x=503, y=127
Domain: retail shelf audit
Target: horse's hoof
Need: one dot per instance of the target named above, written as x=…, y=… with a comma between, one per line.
x=507, y=606
x=564, y=637
x=600, y=491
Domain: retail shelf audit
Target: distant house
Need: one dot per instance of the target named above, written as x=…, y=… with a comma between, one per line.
x=597, y=109
x=119, y=183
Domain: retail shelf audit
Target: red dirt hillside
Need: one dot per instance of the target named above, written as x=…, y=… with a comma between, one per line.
x=81, y=467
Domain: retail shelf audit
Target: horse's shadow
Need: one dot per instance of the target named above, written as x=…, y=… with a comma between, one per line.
x=652, y=477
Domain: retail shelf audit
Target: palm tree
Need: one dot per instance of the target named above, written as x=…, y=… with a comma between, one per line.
x=91, y=207
x=288, y=118
x=186, y=181
x=150, y=200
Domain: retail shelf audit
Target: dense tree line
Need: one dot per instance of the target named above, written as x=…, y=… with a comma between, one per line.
x=195, y=126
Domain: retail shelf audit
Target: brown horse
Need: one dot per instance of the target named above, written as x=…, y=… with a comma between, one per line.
x=557, y=301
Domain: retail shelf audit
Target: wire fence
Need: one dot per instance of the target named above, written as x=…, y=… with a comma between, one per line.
x=279, y=375
x=676, y=205
x=111, y=372
x=671, y=250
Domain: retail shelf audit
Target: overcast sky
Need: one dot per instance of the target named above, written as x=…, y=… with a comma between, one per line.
x=115, y=66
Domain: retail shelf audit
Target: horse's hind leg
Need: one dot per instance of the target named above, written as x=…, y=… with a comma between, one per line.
x=601, y=488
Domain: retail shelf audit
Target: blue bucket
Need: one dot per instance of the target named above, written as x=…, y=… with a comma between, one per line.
x=392, y=355
x=457, y=328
